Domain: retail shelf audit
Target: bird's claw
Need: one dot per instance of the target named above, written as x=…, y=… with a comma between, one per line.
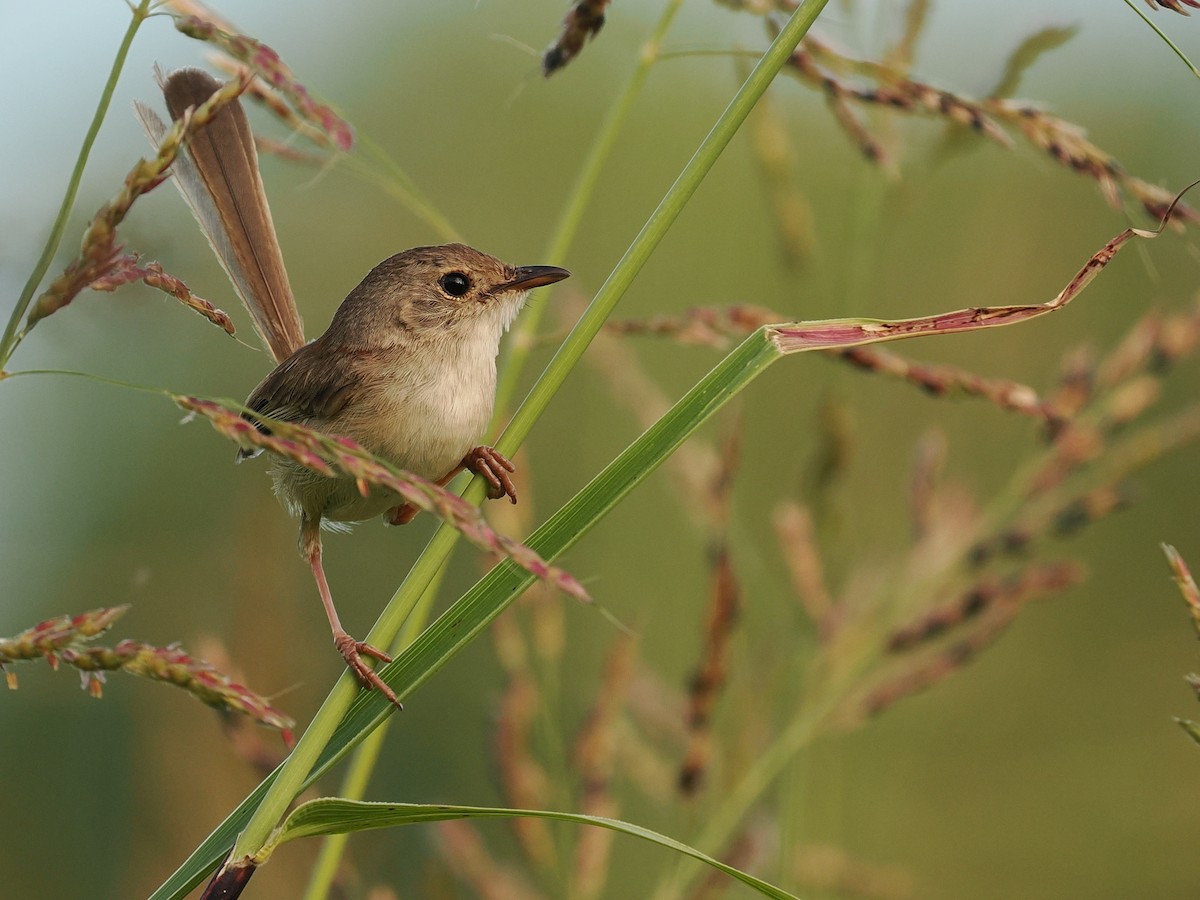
x=353, y=652
x=495, y=467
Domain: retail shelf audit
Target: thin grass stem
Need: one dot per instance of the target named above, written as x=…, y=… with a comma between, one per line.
x=12, y=334
x=1162, y=34
x=522, y=340
x=362, y=763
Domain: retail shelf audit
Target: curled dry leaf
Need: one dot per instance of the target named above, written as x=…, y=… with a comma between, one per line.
x=844, y=333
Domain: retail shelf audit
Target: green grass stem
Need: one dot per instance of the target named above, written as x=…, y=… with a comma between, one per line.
x=12, y=333
x=327, y=737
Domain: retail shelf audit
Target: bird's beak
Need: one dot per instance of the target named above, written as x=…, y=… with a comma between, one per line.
x=528, y=277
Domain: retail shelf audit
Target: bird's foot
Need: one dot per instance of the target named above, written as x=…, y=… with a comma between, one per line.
x=489, y=462
x=353, y=652
x=495, y=468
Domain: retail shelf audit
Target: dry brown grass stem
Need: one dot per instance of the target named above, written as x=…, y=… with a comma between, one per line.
x=523, y=779
x=471, y=862
x=797, y=538
x=595, y=759
x=827, y=869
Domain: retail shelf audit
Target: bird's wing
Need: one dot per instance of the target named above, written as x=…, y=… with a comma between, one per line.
x=300, y=391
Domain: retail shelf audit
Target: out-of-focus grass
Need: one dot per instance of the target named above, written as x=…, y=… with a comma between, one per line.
x=1050, y=768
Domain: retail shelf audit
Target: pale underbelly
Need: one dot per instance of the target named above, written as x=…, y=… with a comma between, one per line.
x=418, y=434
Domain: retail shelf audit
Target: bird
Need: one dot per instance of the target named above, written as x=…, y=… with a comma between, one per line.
x=406, y=368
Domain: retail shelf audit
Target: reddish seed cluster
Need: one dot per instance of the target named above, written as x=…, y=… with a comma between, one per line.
x=127, y=270
x=819, y=63
x=100, y=259
x=265, y=63
x=1175, y=5
x=330, y=455
x=65, y=640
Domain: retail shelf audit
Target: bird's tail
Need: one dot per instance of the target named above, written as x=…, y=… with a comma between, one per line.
x=219, y=179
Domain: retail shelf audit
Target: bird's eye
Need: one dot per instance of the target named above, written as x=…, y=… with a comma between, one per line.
x=455, y=284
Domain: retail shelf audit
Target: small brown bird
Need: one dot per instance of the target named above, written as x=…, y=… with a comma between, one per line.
x=407, y=367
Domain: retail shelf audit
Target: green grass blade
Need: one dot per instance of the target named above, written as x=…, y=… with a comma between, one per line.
x=503, y=584
x=313, y=742
x=333, y=815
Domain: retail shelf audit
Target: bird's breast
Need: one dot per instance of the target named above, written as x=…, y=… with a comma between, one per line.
x=425, y=411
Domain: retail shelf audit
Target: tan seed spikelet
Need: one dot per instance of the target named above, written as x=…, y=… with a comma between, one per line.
x=777, y=165
x=798, y=544
x=712, y=671
x=594, y=754
x=941, y=380
x=1187, y=584
x=984, y=595
x=990, y=608
x=929, y=459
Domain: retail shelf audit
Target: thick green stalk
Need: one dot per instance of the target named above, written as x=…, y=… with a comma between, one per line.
x=472, y=612
x=295, y=771
x=659, y=223
x=353, y=787
x=12, y=335
x=358, y=773
x=519, y=346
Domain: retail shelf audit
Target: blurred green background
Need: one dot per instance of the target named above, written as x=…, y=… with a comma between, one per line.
x=1049, y=768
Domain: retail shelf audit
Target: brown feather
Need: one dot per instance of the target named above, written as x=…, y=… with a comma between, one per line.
x=225, y=158
x=303, y=390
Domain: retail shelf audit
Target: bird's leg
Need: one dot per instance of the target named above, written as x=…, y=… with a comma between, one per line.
x=489, y=462
x=352, y=651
